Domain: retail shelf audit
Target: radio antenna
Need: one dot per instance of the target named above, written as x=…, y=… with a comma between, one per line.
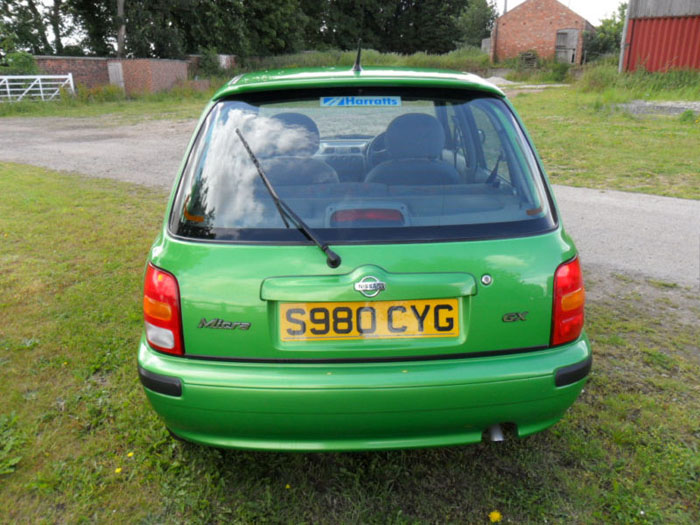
x=357, y=67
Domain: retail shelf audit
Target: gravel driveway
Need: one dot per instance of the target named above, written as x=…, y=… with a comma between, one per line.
x=643, y=235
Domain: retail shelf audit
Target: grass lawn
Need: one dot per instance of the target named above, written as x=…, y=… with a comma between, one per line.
x=584, y=142
x=78, y=441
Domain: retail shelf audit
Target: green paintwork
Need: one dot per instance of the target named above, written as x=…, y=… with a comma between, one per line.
x=370, y=405
x=231, y=282
x=340, y=287
x=343, y=77
x=363, y=406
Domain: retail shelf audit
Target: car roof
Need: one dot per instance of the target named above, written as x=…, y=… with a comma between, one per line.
x=346, y=77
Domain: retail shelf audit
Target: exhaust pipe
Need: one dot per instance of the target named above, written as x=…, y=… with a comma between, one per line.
x=496, y=433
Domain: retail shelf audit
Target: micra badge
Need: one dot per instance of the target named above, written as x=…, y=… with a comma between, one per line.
x=220, y=324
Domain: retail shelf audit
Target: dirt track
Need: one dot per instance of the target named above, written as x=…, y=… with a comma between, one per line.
x=146, y=153
x=641, y=235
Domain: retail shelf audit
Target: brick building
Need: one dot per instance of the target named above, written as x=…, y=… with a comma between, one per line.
x=545, y=26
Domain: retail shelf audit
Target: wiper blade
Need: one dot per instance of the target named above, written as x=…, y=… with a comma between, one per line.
x=332, y=259
x=270, y=189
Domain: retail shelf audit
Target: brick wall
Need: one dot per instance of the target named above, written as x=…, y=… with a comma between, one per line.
x=146, y=75
x=87, y=71
x=137, y=75
x=533, y=25
x=166, y=73
x=140, y=74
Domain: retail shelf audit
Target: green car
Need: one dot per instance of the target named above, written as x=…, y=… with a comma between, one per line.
x=361, y=259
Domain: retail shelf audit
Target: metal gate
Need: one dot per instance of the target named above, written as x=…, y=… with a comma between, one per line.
x=14, y=88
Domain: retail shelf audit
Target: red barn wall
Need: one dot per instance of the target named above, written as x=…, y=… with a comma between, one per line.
x=663, y=43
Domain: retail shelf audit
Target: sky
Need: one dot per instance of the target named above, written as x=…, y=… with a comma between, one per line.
x=592, y=10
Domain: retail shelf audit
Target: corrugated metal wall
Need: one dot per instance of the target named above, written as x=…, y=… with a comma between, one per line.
x=658, y=8
x=660, y=44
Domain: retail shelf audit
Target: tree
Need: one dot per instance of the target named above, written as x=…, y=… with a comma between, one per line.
x=26, y=25
x=153, y=30
x=274, y=26
x=32, y=22
x=219, y=25
x=7, y=40
x=173, y=28
x=606, y=39
x=18, y=63
x=58, y=26
x=425, y=25
x=403, y=26
x=341, y=23
x=97, y=22
x=476, y=22
x=163, y=29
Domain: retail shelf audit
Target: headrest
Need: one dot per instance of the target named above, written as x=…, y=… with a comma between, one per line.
x=415, y=136
x=298, y=120
x=296, y=171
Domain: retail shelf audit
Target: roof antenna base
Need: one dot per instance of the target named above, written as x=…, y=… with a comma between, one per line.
x=357, y=67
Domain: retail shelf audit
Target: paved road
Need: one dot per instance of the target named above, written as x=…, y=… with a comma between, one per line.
x=643, y=235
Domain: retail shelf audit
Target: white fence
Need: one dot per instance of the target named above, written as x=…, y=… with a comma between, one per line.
x=14, y=88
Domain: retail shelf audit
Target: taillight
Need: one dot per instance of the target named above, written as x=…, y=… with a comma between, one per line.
x=569, y=298
x=161, y=311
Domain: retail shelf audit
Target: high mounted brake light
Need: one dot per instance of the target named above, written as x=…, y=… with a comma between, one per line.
x=367, y=214
x=569, y=299
x=161, y=311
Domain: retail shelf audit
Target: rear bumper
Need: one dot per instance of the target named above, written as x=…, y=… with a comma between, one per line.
x=362, y=406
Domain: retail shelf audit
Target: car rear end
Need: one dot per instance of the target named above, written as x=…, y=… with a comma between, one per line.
x=457, y=306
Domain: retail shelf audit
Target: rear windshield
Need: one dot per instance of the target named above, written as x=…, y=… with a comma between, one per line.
x=362, y=166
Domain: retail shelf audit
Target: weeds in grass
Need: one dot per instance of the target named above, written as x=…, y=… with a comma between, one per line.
x=661, y=284
x=10, y=441
x=545, y=72
x=469, y=59
x=97, y=94
x=670, y=85
x=688, y=117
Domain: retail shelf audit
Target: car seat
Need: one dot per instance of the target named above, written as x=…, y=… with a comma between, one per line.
x=415, y=142
x=297, y=166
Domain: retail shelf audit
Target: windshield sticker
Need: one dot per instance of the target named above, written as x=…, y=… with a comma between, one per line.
x=356, y=102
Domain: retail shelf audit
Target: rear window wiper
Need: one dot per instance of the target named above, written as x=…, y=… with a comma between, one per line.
x=333, y=259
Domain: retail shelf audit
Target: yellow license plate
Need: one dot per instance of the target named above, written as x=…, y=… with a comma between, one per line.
x=365, y=320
